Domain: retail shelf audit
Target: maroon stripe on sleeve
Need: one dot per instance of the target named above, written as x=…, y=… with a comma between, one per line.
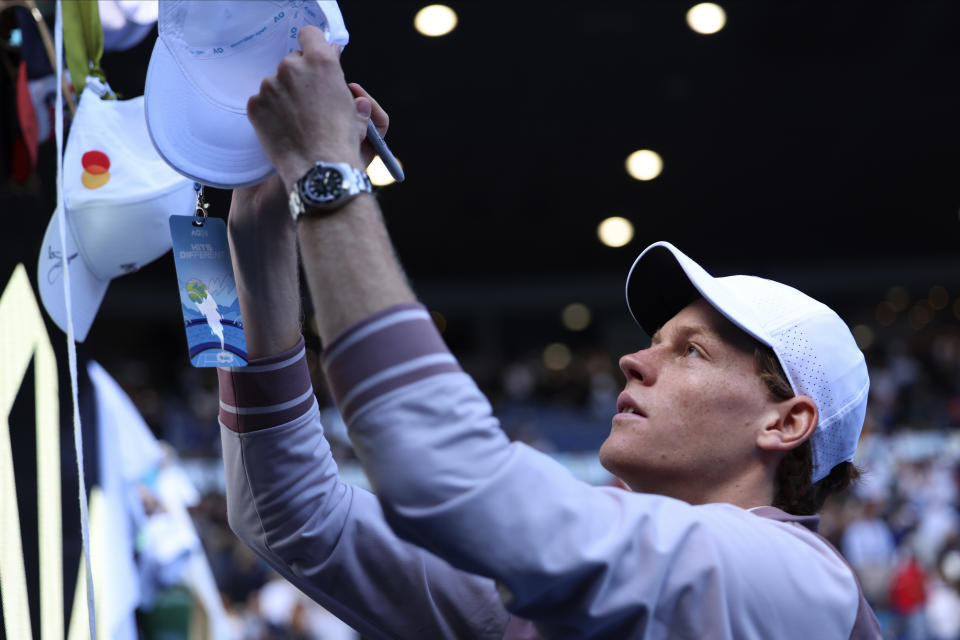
x=386, y=348
x=245, y=423
x=386, y=351
x=268, y=392
x=357, y=401
x=266, y=388
x=371, y=319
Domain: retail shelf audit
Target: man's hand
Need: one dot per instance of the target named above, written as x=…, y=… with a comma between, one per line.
x=259, y=208
x=380, y=119
x=306, y=112
x=263, y=239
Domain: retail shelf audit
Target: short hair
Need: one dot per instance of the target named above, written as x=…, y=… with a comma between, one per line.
x=794, y=491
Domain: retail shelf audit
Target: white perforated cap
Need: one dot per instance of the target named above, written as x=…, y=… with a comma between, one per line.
x=814, y=346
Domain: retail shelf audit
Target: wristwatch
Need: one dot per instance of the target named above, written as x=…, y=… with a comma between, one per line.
x=327, y=186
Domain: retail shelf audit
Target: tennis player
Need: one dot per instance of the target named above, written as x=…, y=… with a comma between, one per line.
x=734, y=425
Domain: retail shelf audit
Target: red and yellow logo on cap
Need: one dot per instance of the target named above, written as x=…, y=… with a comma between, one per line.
x=96, y=169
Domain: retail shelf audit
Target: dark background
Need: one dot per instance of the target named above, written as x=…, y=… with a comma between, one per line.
x=811, y=142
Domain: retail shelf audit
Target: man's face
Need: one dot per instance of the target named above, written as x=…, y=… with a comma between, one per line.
x=691, y=410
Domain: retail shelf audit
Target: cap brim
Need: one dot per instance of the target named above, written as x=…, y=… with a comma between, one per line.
x=86, y=290
x=199, y=139
x=663, y=280
x=129, y=35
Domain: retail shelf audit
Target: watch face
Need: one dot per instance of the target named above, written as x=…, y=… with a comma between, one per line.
x=324, y=185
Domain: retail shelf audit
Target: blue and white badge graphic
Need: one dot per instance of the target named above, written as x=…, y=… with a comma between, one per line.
x=208, y=293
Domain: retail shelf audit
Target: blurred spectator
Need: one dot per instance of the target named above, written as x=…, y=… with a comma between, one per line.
x=899, y=528
x=908, y=594
x=868, y=546
x=290, y=614
x=943, y=603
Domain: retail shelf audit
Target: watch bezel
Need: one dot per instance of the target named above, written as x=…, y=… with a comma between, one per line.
x=315, y=187
x=306, y=197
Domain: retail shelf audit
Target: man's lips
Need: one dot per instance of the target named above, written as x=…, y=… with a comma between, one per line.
x=626, y=404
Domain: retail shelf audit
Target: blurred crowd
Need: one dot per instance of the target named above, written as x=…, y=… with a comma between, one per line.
x=899, y=527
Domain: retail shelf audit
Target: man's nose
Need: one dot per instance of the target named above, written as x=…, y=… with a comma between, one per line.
x=638, y=366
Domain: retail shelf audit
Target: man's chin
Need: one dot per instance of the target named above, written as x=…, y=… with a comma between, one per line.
x=614, y=471
x=626, y=468
x=611, y=458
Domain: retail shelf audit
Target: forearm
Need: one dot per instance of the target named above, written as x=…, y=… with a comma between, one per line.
x=264, y=254
x=306, y=114
x=350, y=266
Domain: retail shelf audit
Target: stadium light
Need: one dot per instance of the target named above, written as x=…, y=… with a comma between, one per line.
x=644, y=164
x=379, y=174
x=435, y=20
x=556, y=356
x=615, y=231
x=576, y=316
x=706, y=18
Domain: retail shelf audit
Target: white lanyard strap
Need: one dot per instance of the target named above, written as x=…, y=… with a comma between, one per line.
x=71, y=346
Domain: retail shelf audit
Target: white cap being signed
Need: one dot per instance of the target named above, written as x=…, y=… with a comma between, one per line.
x=209, y=58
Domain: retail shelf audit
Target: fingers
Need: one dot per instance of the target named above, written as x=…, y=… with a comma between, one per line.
x=380, y=118
x=314, y=43
x=364, y=107
x=286, y=70
x=268, y=89
x=303, y=112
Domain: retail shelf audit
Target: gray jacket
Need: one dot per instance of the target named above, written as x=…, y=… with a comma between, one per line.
x=471, y=536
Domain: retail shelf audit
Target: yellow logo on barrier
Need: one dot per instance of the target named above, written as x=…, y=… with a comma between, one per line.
x=23, y=337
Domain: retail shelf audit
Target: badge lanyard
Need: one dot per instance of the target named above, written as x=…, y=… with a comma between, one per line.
x=207, y=289
x=200, y=214
x=71, y=346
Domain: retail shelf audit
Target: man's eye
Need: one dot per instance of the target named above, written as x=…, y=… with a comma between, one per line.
x=691, y=351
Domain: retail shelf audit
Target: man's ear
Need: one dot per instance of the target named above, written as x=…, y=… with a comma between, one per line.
x=796, y=419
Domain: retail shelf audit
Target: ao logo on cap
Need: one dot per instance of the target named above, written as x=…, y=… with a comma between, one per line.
x=96, y=169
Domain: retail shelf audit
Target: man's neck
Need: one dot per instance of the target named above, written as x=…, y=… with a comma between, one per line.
x=747, y=490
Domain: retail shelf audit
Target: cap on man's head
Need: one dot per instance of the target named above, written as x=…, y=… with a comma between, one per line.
x=117, y=197
x=814, y=346
x=209, y=59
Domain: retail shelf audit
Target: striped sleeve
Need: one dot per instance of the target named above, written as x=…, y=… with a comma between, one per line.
x=386, y=351
x=287, y=502
x=268, y=392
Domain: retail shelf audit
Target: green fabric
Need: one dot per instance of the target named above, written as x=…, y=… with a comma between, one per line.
x=169, y=619
x=82, y=41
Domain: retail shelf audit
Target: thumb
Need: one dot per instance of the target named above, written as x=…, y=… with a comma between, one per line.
x=364, y=107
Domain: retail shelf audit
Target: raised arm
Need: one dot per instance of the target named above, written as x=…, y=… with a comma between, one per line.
x=306, y=114
x=263, y=248
x=285, y=497
x=581, y=561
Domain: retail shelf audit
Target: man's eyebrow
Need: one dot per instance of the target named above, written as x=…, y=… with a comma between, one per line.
x=686, y=331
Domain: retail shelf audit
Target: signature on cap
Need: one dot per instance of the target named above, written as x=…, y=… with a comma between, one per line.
x=54, y=272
